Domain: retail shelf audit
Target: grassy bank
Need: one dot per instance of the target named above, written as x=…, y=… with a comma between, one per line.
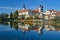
x=55, y=24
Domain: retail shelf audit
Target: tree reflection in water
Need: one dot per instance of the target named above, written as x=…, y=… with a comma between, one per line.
x=38, y=27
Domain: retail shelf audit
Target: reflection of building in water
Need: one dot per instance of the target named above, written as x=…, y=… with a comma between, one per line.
x=27, y=27
x=52, y=27
x=23, y=27
x=8, y=23
x=40, y=31
x=57, y=29
x=38, y=28
x=49, y=27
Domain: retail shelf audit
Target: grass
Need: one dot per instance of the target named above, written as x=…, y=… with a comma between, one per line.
x=56, y=24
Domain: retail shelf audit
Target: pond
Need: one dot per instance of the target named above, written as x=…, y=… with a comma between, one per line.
x=22, y=31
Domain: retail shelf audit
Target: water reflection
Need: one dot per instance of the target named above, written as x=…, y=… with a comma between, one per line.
x=38, y=27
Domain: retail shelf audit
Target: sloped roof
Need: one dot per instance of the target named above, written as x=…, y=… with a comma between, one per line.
x=23, y=10
x=35, y=10
x=55, y=12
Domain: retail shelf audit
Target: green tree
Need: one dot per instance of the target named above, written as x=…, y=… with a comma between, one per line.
x=4, y=16
x=15, y=14
x=11, y=16
x=56, y=19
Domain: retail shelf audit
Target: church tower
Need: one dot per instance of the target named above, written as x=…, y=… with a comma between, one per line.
x=41, y=8
x=24, y=7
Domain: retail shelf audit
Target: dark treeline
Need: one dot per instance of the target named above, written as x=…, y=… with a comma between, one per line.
x=8, y=17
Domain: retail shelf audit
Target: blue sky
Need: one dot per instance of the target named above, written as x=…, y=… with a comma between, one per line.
x=6, y=6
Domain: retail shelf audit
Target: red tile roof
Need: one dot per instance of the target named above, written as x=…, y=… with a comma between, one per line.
x=55, y=12
x=23, y=10
x=35, y=10
x=50, y=10
x=28, y=10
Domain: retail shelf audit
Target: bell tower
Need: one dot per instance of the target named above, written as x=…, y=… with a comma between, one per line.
x=24, y=8
x=41, y=8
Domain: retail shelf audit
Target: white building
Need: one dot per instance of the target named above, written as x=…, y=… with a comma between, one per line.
x=26, y=12
x=23, y=12
x=50, y=14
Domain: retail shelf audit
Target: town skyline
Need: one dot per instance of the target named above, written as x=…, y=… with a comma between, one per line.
x=6, y=6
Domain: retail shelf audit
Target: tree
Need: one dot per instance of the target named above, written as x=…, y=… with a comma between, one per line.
x=4, y=16
x=11, y=16
x=56, y=19
x=15, y=14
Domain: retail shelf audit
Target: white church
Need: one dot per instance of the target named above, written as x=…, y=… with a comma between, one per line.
x=27, y=12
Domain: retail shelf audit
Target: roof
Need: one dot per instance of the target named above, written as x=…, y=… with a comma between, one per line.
x=23, y=10
x=55, y=12
x=35, y=10
x=51, y=10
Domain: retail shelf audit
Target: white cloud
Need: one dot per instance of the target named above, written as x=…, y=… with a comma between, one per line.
x=8, y=8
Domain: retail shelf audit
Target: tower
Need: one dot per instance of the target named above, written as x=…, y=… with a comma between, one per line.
x=41, y=8
x=24, y=7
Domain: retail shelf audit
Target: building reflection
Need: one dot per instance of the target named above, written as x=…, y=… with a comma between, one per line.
x=48, y=27
x=38, y=27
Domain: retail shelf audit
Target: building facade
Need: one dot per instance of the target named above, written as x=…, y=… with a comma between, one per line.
x=27, y=13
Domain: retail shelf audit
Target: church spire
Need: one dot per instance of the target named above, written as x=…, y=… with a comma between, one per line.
x=41, y=8
x=24, y=7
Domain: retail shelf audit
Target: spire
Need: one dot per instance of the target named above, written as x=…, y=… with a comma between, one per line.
x=41, y=8
x=24, y=7
x=40, y=5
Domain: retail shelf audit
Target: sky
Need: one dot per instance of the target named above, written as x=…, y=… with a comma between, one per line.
x=6, y=6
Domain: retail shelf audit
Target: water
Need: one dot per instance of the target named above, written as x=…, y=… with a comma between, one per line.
x=21, y=31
